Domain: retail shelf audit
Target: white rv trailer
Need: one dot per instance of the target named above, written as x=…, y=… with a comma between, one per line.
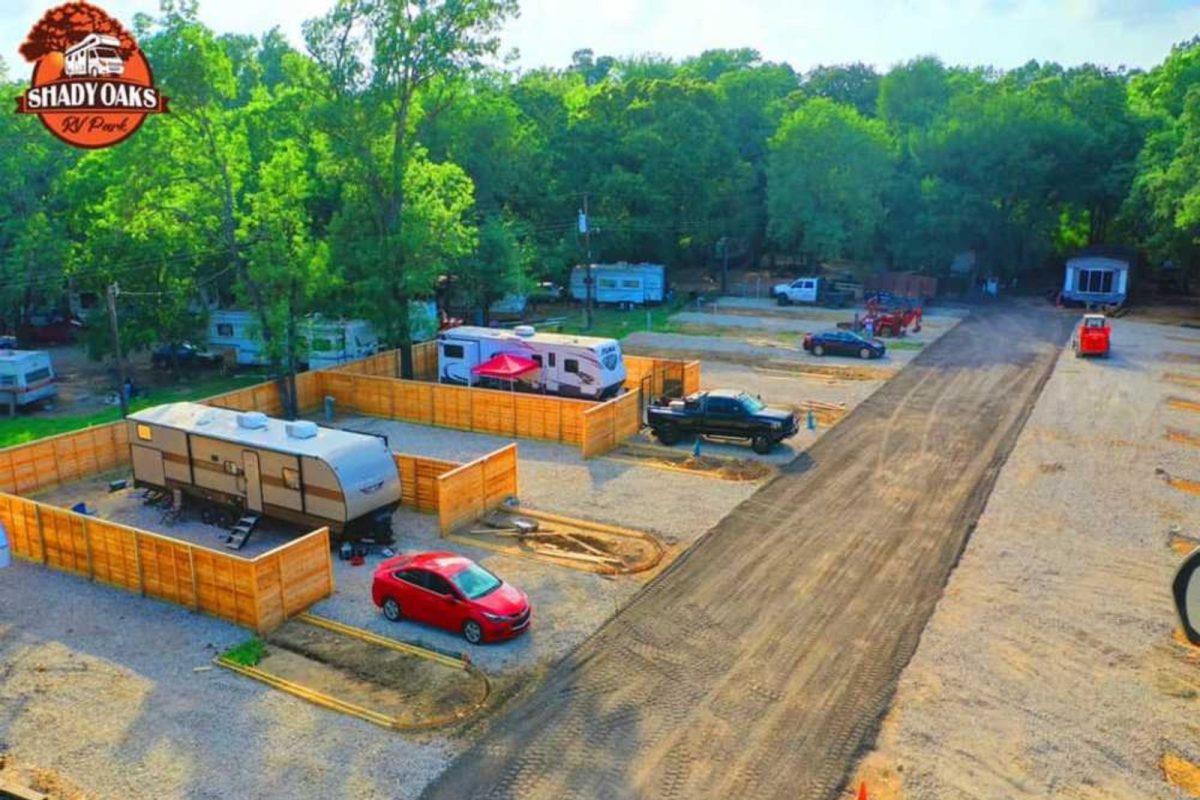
x=327, y=342
x=294, y=471
x=94, y=56
x=572, y=366
x=621, y=283
x=26, y=376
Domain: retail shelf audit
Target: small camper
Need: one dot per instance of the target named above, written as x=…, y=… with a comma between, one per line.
x=26, y=377
x=250, y=463
x=572, y=366
x=94, y=56
x=621, y=283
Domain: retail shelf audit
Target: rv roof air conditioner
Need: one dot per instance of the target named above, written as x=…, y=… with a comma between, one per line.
x=301, y=429
x=524, y=331
x=252, y=420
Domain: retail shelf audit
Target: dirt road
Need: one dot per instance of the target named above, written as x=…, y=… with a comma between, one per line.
x=760, y=664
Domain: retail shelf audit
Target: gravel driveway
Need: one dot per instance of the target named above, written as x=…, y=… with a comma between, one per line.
x=1049, y=667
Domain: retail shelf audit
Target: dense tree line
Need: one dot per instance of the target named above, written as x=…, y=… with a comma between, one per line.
x=348, y=177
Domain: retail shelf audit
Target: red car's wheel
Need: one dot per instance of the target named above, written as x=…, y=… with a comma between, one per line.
x=391, y=610
x=472, y=631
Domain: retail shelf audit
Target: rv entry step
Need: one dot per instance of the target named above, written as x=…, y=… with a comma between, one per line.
x=241, y=532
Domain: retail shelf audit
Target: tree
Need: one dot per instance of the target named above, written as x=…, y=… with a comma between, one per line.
x=375, y=56
x=850, y=84
x=828, y=171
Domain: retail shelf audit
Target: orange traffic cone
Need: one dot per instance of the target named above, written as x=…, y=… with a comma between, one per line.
x=862, y=791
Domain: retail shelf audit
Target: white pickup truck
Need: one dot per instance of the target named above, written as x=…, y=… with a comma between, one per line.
x=812, y=291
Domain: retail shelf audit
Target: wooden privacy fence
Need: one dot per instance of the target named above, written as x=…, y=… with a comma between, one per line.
x=468, y=492
x=515, y=414
x=418, y=480
x=257, y=593
x=387, y=363
x=608, y=424
x=28, y=468
x=662, y=375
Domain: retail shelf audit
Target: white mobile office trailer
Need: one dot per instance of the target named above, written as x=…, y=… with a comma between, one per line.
x=621, y=283
x=294, y=471
x=572, y=366
x=326, y=342
x=26, y=376
x=1097, y=276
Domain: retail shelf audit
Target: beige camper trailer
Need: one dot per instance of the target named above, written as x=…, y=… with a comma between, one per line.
x=253, y=464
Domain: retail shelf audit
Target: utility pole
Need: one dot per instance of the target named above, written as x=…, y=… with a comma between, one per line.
x=586, y=230
x=113, y=291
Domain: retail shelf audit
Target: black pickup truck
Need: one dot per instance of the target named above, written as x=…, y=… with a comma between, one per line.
x=722, y=412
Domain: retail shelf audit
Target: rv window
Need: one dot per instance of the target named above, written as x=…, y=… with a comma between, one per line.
x=322, y=346
x=291, y=478
x=571, y=365
x=536, y=358
x=232, y=468
x=8, y=380
x=552, y=359
x=452, y=350
x=607, y=283
x=144, y=433
x=37, y=375
x=632, y=284
x=224, y=329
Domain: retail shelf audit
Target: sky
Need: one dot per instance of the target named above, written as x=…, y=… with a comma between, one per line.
x=804, y=33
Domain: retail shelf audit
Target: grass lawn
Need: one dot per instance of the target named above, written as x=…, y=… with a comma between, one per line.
x=26, y=427
x=614, y=323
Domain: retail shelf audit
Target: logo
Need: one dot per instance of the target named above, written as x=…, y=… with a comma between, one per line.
x=91, y=86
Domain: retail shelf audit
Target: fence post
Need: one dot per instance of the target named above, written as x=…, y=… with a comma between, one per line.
x=87, y=543
x=37, y=509
x=195, y=588
x=137, y=557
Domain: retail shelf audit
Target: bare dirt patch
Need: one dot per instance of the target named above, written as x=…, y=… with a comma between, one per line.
x=567, y=542
x=47, y=782
x=728, y=469
x=1181, y=358
x=415, y=691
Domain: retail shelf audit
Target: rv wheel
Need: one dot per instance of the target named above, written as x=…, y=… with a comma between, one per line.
x=391, y=610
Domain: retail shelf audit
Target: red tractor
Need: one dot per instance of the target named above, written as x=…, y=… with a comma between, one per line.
x=1092, y=336
x=894, y=321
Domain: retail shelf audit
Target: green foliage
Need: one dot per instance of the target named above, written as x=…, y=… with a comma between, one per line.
x=349, y=179
x=246, y=654
x=21, y=429
x=829, y=170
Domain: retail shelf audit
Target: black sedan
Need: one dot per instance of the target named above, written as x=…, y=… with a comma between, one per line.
x=843, y=343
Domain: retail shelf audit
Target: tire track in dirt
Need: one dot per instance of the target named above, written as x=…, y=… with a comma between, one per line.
x=760, y=663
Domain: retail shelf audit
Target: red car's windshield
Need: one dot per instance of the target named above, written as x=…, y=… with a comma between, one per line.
x=475, y=582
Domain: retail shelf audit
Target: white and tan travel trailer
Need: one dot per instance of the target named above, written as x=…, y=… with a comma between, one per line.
x=293, y=471
x=572, y=366
x=26, y=377
x=621, y=284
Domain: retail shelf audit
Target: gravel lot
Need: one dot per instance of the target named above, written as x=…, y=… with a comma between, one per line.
x=1049, y=667
x=98, y=686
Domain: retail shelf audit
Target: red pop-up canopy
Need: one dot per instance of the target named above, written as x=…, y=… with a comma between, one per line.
x=505, y=367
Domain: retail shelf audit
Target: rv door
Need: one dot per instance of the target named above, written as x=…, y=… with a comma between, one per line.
x=254, y=498
x=455, y=359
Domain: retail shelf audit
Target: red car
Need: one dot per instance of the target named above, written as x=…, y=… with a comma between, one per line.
x=452, y=592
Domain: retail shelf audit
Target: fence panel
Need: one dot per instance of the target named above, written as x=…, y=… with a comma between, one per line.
x=28, y=468
x=691, y=377
x=255, y=593
x=418, y=480
x=468, y=492
x=609, y=424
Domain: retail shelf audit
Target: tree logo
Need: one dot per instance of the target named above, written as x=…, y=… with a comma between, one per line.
x=91, y=86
